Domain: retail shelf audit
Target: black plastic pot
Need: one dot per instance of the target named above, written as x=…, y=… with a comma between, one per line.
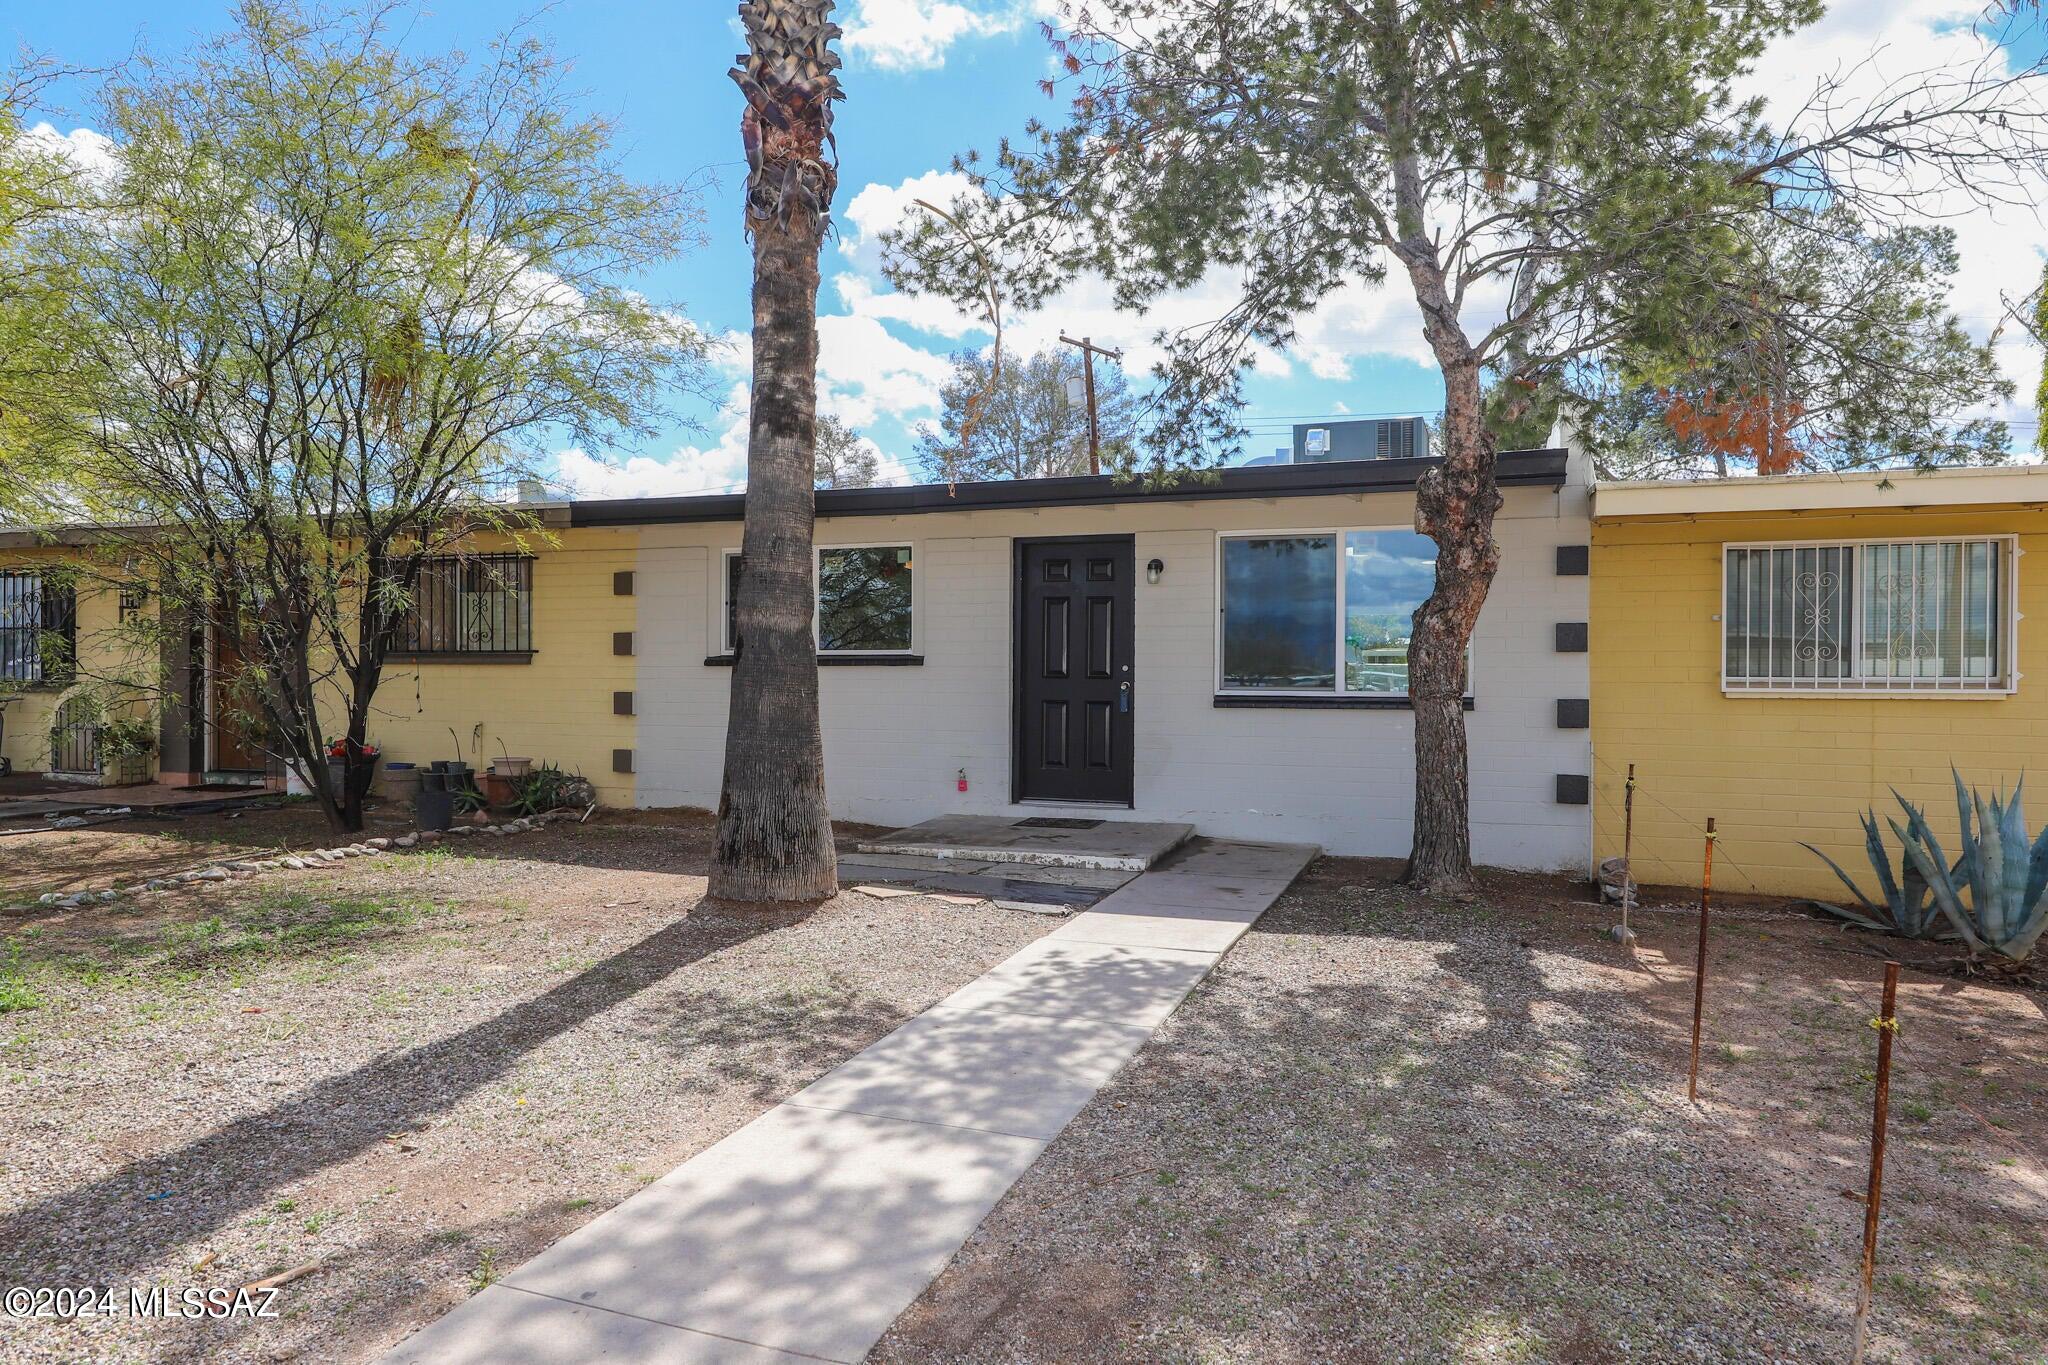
x=434, y=810
x=434, y=779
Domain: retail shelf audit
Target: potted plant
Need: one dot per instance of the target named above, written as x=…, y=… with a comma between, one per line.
x=352, y=779
x=125, y=746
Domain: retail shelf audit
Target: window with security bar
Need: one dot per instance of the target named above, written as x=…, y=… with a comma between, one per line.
x=470, y=605
x=38, y=627
x=1869, y=616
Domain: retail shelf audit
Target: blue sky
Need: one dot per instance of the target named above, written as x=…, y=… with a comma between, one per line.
x=925, y=79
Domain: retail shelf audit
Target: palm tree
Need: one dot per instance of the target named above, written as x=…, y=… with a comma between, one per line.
x=774, y=835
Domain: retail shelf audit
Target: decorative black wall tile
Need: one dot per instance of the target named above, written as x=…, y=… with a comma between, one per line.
x=1571, y=637
x=1574, y=789
x=1574, y=713
x=1574, y=561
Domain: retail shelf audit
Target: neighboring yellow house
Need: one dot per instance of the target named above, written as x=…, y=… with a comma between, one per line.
x=515, y=651
x=1780, y=653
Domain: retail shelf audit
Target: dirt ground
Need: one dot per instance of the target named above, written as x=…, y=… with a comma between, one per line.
x=1384, y=1130
x=412, y=1072
x=1387, y=1130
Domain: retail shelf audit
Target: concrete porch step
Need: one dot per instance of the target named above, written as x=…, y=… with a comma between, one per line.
x=1045, y=841
x=1074, y=888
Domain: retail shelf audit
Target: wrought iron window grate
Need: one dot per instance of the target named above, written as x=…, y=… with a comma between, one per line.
x=1868, y=616
x=470, y=604
x=38, y=626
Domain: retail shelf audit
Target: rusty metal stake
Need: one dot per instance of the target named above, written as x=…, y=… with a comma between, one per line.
x=1887, y=1026
x=1699, y=971
x=1623, y=934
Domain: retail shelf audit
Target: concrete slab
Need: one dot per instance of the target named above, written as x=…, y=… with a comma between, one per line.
x=1136, y=986
x=1189, y=930
x=1192, y=892
x=808, y=1230
x=1133, y=845
x=507, y=1326
x=1018, y=1074
x=877, y=865
x=1237, y=860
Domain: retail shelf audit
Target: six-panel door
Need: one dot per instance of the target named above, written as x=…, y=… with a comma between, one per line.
x=1073, y=671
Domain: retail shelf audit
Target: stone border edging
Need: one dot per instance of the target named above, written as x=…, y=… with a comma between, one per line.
x=244, y=868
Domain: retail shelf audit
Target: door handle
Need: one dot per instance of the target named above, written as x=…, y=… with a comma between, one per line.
x=1123, y=698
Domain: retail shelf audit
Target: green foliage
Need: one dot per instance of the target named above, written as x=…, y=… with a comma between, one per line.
x=1585, y=158
x=844, y=458
x=15, y=991
x=326, y=302
x=1908, y=910
x=127, y=737
x=1018, y=423
x=548, y=788
x=2005, y=875
x=2040, y=331
x=1844, y=325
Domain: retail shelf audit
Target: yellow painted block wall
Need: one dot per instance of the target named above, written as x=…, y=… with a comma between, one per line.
x=104, y=658
x=555, y=709
x=1775, y=771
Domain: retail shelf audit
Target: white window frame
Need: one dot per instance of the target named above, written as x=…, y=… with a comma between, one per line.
x=1339, y=690
x=2005, y=685
x=721, y=592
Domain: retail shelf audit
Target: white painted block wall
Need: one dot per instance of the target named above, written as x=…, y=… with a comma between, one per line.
x=896, y=738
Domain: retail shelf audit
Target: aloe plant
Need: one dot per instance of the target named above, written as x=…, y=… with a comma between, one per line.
x=2005, y=874
x=1908, y=910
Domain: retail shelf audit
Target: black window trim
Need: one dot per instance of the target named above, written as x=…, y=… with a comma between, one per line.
x=727, y=647
x=1335, y=697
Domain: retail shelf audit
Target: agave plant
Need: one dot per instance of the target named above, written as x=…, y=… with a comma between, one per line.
x=1909, y=908
x=2005, y=873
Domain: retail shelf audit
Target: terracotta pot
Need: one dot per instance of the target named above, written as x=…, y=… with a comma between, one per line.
x=499, y=791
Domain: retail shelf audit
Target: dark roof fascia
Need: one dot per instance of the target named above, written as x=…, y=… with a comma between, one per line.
x=1517, y=469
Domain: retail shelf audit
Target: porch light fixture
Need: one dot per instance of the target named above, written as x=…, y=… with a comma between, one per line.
x=1153, y=570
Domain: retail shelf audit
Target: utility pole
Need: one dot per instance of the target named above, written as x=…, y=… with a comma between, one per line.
x=1089, y=350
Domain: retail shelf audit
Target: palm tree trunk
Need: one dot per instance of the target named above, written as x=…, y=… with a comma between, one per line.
x=774, y=834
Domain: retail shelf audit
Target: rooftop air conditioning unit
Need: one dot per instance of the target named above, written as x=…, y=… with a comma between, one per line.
x=1315, y=443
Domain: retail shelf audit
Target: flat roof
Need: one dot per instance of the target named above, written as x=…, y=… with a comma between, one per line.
x=1858, y=490
x=1519, y=468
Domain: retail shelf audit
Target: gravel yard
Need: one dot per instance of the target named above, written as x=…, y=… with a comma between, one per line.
x=411, y=1072
x=1387, y=1130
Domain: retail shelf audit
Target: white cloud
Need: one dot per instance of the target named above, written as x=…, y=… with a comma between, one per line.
x=720, y=467
x=866, y=372
x=878, y=208
x=915, y=35
x=92, y=152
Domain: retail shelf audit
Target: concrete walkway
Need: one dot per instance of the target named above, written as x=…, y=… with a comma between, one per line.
x=805, y=1233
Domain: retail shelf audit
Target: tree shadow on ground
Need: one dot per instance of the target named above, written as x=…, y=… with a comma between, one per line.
x=237, y=1167
x=1472, y=1118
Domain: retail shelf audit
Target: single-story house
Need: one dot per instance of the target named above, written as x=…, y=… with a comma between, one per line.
x=1782, y=653
x=1228, y=650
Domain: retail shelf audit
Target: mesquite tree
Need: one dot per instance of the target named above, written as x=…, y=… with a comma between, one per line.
x=1547, y=180
x=324, y=306
x=774, y=833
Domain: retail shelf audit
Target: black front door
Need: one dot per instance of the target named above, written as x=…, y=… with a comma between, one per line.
x=1074, y=645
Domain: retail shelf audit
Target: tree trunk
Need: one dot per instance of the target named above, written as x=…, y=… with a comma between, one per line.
x=774, y=834
x=1454, y=505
